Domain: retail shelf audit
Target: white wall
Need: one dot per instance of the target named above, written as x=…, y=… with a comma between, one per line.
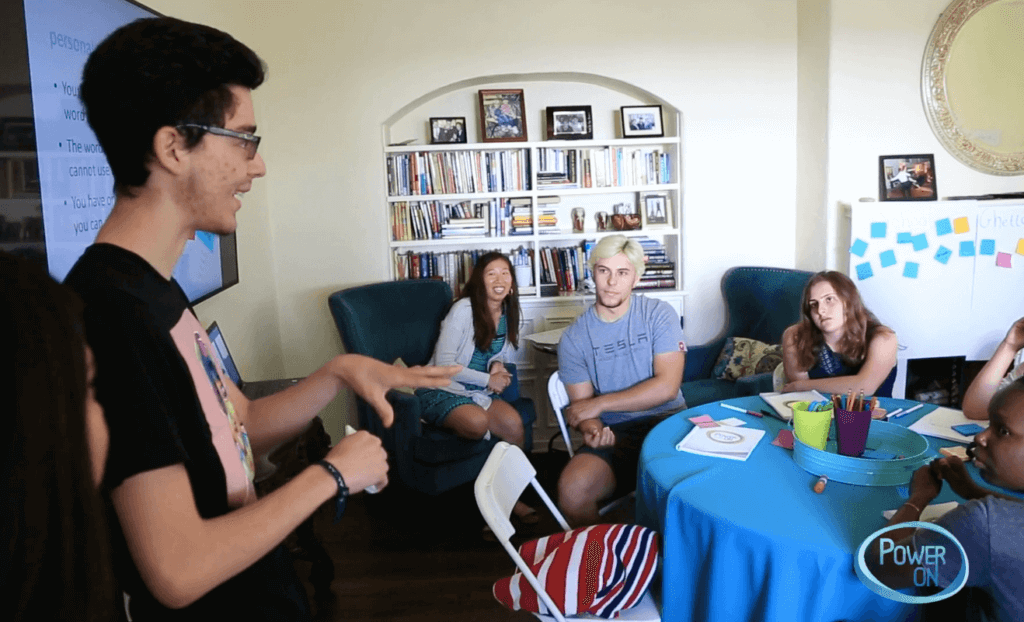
x=875, y=108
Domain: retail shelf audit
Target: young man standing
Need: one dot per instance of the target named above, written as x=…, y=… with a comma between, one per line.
x=171, y=105
x=622, y=366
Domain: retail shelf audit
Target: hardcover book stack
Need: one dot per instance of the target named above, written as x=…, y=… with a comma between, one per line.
x=660, y=272
x=557, y=168
x=521, y=216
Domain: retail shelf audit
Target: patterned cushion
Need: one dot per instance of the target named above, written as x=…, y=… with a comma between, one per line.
x=745, y=357
x=600, y=570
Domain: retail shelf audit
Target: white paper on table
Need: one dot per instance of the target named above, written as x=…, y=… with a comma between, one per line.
x=732, y=422
x=939, y=423
x=780, y=401
x=721, y=442
x=929, y=513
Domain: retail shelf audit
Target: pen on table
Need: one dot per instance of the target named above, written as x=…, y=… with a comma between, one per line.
x=741, y=410
x=349, y=431
x=773, y=414
x=894, y=413
x=907, y=411
x=819, y=486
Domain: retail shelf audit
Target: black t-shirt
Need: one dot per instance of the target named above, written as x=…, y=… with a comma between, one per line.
x=163, y=392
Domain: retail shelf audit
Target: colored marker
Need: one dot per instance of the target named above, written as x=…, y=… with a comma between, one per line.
x=741, y=410
x=894, y=413
x=908, y=411
x=819, y=486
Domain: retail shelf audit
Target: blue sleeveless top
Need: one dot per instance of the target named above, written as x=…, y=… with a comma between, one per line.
x=830, y=365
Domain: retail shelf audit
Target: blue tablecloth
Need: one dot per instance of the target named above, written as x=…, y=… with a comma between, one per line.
x=751, y=540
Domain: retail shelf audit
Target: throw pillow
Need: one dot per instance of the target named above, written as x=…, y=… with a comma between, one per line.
x=745, y=357
x=599, y=570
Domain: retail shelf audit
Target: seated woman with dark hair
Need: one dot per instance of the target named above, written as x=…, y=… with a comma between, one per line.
x=838, y=346
x=56, y=563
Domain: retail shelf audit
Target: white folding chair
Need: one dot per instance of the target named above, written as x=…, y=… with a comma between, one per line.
x=560, y=399
x=501, y=482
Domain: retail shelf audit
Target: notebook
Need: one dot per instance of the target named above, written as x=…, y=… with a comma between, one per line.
x=252, y=390
x=780, y=401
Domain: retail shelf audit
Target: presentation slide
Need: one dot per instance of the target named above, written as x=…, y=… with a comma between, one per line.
x=75, y=180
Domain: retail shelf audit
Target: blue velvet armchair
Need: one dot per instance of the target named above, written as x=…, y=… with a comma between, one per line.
x=760, y=304
x=402, y=319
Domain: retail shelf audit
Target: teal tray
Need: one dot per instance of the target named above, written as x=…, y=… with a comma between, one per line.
x=882, y=436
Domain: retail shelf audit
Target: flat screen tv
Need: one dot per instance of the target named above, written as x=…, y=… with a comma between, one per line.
x=55, y=186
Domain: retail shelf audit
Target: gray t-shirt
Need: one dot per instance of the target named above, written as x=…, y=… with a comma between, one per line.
x=991, y=530
x=614, y=356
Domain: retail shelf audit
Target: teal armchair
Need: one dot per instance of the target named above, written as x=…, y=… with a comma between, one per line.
x=760, y=304
x=402, y=319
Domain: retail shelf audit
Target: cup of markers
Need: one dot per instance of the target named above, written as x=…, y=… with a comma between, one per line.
x=811, y=422
x=853, y=420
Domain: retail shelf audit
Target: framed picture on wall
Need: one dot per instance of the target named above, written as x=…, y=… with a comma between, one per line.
x=502, y=115
x=641, y=121
x=570, y=123
x=907, y=178
x=447, y=130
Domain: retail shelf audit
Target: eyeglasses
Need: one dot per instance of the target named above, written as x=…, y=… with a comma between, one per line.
x=252, y=141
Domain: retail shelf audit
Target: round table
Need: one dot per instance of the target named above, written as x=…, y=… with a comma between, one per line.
x=751, y=540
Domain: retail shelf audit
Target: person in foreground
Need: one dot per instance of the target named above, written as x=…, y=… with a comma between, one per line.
x=56, y=553
x=479, y=333
x=991, y=378
x=838, y=346
x=170, y=103
x=622, y=365
x=989, y=525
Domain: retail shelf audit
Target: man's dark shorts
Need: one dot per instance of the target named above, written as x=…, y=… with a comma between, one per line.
x=624, y=455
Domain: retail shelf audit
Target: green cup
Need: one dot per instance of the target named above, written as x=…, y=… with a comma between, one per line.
x=811, y=427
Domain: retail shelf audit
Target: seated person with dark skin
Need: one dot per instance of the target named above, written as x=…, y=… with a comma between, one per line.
x=622, y=365
x=988, y=526
x=993, y=376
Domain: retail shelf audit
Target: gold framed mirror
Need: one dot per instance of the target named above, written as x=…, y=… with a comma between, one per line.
x=972, y=84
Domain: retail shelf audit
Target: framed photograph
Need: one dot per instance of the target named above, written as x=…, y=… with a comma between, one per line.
x=570, y=123
x=447, y=130
x=17, y=134
x=657, y=210
x=907, y=178
x=642, y=121
x=503, y=115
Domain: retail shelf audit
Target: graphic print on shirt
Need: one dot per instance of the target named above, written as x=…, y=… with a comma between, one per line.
x=215, y=375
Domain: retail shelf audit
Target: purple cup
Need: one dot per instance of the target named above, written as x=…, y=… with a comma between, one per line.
x=852, y=431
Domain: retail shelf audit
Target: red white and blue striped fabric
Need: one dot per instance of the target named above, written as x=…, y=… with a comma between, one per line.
x=600, y=570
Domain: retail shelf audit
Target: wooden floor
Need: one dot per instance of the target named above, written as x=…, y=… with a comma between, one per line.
x=402, y=556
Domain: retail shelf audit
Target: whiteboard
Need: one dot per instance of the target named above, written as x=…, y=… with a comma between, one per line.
x=947, y=276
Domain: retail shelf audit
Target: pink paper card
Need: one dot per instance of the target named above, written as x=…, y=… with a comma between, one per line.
x=1003, y=260
x=704, y=421
x=784, y=439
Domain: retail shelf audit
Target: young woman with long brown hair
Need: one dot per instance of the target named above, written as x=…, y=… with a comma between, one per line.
x=839, y=345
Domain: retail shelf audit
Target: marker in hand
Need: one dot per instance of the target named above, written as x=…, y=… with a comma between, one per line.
x=349, y=431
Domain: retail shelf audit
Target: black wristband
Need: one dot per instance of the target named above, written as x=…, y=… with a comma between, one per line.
x=342, y=499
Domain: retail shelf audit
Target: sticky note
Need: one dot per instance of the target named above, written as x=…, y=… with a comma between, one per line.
x=864, y=271
x=943, y=227
x=887, y=258
x=859, y=247
x=878, y=229
x=967, y=248
x=960, y=225
x=968, y=429
x=1003, y=260
x=988, y=247
x=704, y=421
x=943, y=254
x=910, y=269
x=876, y=454
x=920, y=242
x=732, y=421
x=904, y=238
x=1020, y=246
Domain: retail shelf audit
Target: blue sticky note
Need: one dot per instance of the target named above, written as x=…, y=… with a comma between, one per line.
x=920, y=242
x=943, y=254
x=910, y=270
x=904, y=238
x=943, y=227
x=968, y=429
x=878, y=229
x=876, y=454
x=887, y=258
x=208, y=239
x=864, y=271
x=859, y=247
x=988, y=247
x=967, y=248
